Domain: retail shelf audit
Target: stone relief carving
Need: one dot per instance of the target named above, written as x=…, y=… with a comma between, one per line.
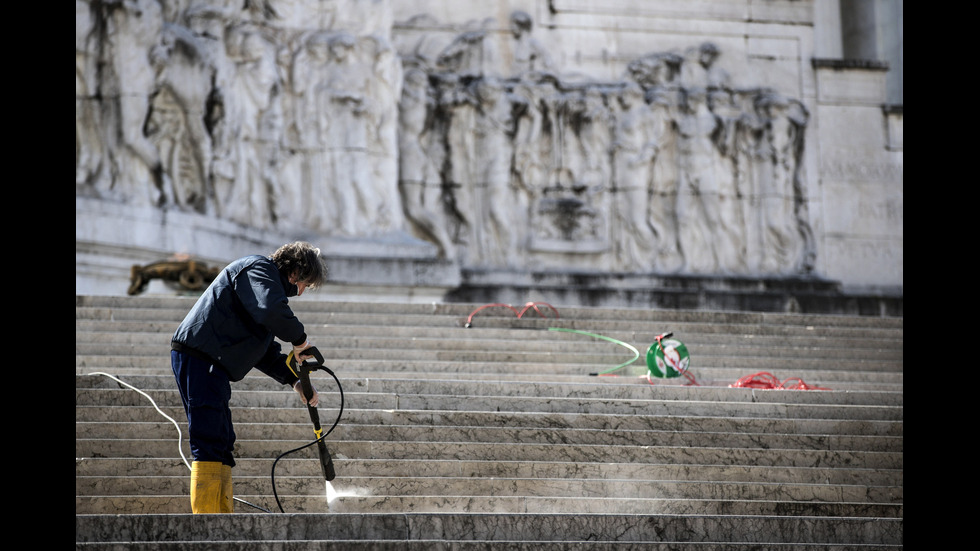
x=419, y=156
x=634, y=150
x=254, y=115
x=91, y=153
x=529, y=55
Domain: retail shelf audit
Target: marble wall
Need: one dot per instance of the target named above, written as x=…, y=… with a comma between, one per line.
x=620, y=137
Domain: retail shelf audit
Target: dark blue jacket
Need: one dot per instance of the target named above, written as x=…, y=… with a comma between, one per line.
x=235, y=322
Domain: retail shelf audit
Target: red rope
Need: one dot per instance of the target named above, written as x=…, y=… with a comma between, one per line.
x=527, y=306
x=535, y=306
x=768, y=381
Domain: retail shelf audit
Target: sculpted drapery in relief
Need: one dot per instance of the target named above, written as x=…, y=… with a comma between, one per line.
x=342, y=106
x=420, y=155
x=245, y=167
x=633, y=150
x=494, y=142
x=667, y=172
x=237, y=112
x=134, y=49
x=91, y=150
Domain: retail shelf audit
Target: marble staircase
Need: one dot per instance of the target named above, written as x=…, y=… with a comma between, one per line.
x=496, y=436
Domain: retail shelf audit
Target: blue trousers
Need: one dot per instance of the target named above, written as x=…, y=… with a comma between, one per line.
x=205, y=391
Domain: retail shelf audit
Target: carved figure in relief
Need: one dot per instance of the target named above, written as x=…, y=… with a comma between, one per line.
x=730, y=234
x=591, y=123
x=457, y=108
x=664, y=179
x=190, y=94
x=655, y=70
x=332, y=138
x=699, y=68
x=252, y=118
x=697, y=201
x=343, y=106
x=133, y=58
x=383, y=77
x=537, y=152
x=529, y=54
x=493, y=140
x=633, y=152
x=418, y=180
x=782, y=243
x=305, y=133
x=471, y=54
x=753, y=151
x=91, y=161
x=533, y=146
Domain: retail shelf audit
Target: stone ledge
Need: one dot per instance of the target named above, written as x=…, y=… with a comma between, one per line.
x=800, y=294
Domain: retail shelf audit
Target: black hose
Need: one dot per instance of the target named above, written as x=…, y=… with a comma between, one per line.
x=315, y=442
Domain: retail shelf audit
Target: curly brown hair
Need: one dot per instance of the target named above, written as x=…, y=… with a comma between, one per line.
x=302, y=259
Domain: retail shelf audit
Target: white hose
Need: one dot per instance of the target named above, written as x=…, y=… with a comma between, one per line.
x=179, y=435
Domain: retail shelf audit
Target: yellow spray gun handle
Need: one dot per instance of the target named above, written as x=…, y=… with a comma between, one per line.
x=294, y=365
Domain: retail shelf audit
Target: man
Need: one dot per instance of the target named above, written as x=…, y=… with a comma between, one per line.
x=231, y=329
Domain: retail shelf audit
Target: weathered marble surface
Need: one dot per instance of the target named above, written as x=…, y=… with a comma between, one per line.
x=488, y=527
x=362, y=119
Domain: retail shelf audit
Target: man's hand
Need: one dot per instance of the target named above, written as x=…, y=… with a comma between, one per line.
x=298, y=387
x=298, y=352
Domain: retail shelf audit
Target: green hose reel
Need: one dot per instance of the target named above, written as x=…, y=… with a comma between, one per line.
x=667, y=358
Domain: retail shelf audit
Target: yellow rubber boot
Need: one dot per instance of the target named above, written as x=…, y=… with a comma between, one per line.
x=227, y=495
x=206, y=488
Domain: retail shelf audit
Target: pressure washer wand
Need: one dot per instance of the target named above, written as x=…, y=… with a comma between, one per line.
x=304, y=369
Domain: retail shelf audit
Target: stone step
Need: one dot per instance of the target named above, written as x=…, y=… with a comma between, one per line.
x=702, y=326
x=585, y=362
x=491, y=419
x=494, y=436
x=830, y=340
x=545, y=351
x=704, y=323
x=456, y=545
x=154, y=494
x=835, y=380
x=865, y=353
x=852, y=382
x=595, y=388
x=747, y=346
x=353, y=468
x=377, y=486
x=423, y=490
x=309, y=304
x=727, y=370
x=396, y=433
x=780, y=406
x=396, y=528
x=179, y=503
x=568, y=333
x=642, y=331
x=648, y=324
x=502, y=451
